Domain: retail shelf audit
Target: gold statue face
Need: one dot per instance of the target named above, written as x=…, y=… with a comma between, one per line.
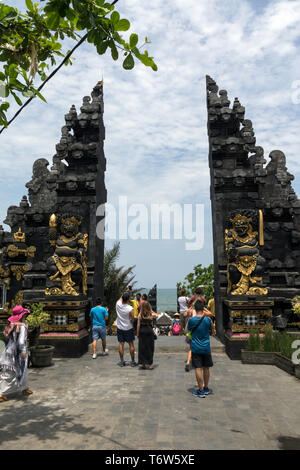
x=69, y=227
x=241, y=224
x=241, y=227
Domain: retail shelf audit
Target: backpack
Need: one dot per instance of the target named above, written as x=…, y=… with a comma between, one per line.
x=176, y=328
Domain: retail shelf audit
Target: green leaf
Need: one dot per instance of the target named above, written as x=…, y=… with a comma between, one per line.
x=122, y=25
x=18, y=100
x=28, y=93
x=8, y=16
x=102, y=47
x=128, y=63
x=133, y=40
x=154, y=67
x=53, y=20
x=114, y=51
x=29, y=5
x=12, y=71
x=115, y=17
x=40, y=96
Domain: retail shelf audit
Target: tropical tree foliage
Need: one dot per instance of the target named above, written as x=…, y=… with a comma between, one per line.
x=116, y=279
x=31, y=42
x=201, y=276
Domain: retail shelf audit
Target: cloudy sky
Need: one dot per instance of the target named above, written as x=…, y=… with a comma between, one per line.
x=156, y=141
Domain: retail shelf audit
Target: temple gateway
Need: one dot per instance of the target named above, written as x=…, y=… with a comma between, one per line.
x=256, y=226
x=52, y=254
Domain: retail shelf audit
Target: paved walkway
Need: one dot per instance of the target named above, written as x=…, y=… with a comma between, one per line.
x=95, y=404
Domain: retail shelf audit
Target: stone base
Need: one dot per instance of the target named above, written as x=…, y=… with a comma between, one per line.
x=234, y=345
x=67, y=344
x=249, y=313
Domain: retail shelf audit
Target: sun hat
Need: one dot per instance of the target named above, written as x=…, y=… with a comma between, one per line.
x=18, y=312
x=176, y=315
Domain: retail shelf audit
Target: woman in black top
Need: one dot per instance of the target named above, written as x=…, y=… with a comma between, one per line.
x=146, y=335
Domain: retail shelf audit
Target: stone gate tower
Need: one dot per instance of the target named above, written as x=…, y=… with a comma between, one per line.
x=256, y=224
x=52, y=254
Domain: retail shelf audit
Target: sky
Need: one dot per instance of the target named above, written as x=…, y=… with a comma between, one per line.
x=156, y=122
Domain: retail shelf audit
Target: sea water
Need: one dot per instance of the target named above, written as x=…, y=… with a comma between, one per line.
x=166, y=300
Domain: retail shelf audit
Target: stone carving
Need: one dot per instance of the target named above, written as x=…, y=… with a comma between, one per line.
x=244, y=265
x=67, y=267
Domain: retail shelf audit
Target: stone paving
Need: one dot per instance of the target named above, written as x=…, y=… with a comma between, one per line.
x=95, y=404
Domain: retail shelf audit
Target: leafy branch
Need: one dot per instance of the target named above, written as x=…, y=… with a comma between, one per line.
x=30, y=43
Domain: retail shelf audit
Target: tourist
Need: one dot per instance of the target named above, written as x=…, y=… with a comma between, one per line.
x=14, y=360
x=145, y=334
x=200, y=326
x=183, y=309
x=98, y=315
x=198, y=294
x=135, y=304
x=125, y=333
x=176, y=324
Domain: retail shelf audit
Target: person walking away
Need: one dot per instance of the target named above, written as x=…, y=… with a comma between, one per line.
x=99, y=315
x=125, y=333
x=146, y=335
x=183, y=308
x=14, y=360
x=176, y=324
x=200, y=326
x=198, y=294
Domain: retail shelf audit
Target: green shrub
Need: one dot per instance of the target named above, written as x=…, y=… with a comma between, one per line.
x=268, y=342
x=254, y=343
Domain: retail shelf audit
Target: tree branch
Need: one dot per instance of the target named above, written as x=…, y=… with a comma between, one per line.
x=48, y=78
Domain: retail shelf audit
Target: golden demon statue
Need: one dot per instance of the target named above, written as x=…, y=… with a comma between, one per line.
x=244, y=263
x=67, y=267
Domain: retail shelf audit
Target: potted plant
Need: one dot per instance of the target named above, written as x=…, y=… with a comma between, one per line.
x=40, y=356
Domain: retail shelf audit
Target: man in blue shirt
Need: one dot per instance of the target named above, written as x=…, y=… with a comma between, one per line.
x=200, y=325
x=98, y=316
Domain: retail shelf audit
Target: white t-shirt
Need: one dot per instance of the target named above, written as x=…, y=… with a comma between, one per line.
x=182, y=304
x=123, y=318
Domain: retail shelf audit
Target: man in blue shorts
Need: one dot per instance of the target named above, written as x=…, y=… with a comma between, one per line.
x=98, y=315
x=201, y=325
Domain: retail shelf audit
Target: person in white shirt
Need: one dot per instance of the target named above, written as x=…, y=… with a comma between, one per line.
x=125, y=333
x=183, y=308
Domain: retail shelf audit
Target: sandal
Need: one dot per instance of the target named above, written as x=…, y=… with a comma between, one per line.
x=27, y=392
x=3, y=398
x=151, y=367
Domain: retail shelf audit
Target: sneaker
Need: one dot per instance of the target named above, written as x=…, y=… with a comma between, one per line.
x=94, y=356
x=207, y=391
x=122, y=363
x=133, y=364
x=199, y=393
x=105, y=353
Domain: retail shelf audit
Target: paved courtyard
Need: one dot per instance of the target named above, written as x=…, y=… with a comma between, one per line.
x=95, y=404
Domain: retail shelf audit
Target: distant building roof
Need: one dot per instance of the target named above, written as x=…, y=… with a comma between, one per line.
x=163, y=319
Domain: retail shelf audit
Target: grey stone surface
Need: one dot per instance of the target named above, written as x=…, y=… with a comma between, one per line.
x=94, y=404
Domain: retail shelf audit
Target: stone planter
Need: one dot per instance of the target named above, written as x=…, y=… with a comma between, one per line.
x=285, y=364
x=270, y=358
x=41, y=356
x=258, y=357
x=297, y=371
